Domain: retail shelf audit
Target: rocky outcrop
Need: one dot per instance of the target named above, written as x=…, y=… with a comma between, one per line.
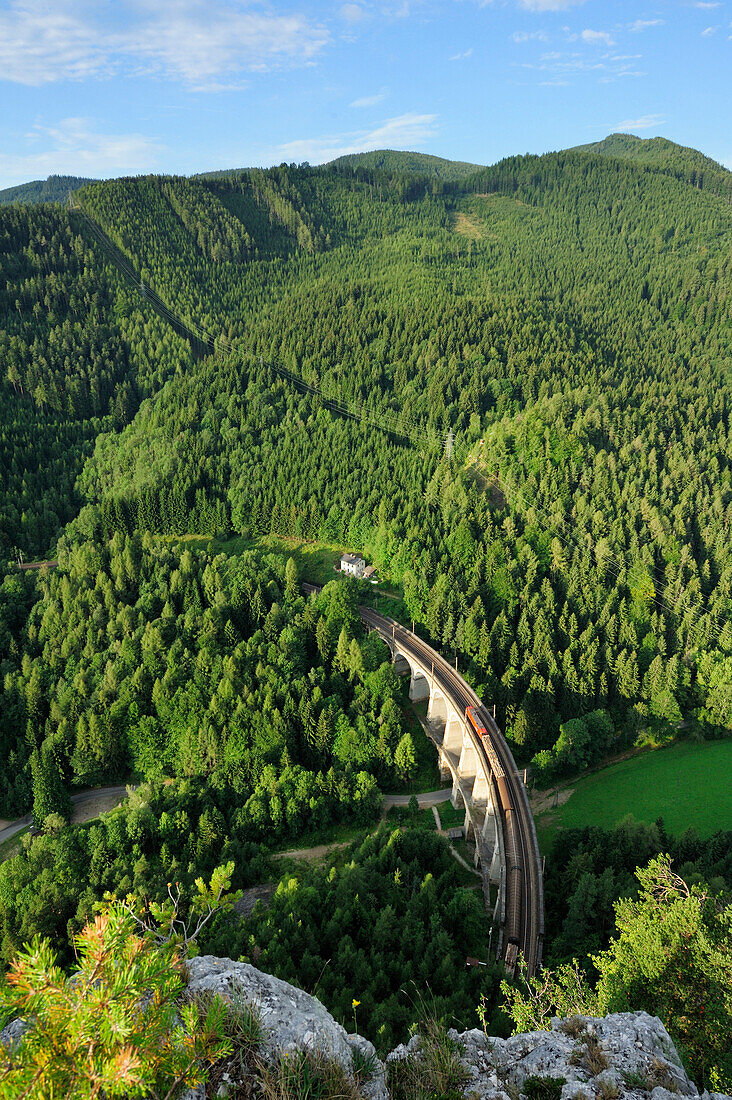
x=628, y=1055
x=291, y=1019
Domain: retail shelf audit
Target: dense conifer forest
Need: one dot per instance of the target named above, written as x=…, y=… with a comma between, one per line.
x=508, y=387
x=53, y=189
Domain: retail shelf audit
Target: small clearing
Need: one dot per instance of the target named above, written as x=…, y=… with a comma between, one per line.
x=249, y=898
x=543, y=801
x=316, y=852
x=467, y=226
x=93, y=807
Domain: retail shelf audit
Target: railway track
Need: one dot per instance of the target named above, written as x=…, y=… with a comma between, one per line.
x=525, y=891
x=528, y=884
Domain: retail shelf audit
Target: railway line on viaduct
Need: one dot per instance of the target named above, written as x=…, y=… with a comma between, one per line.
x=486, y=782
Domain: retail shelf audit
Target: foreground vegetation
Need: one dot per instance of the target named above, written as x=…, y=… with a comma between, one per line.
x=93, y=1032
x=671, y=956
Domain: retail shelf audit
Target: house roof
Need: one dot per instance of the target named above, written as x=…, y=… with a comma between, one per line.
x=352, y=559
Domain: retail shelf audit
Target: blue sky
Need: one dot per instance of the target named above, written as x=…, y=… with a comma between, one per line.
x=112, y=87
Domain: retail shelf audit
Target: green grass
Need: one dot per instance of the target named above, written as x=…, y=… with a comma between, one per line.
x=688, y=785
x=427, y=776
x=392, y=606
x=315, y=560
x=11, y=847
x=314, y=838
x=449, y=816
x=467, y=852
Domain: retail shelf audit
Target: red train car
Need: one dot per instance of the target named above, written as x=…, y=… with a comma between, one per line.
x=476, y=722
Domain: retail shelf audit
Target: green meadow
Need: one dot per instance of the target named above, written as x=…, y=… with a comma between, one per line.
x=688, y=785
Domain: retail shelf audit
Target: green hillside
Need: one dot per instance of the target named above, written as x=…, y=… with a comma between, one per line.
x=53, y=189
x=490, y=308
x=394, y=160
x=383, y=160
x=509, y=390
x=667, y=156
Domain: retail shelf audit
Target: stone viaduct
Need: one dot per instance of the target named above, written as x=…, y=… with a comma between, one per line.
x=473, y=786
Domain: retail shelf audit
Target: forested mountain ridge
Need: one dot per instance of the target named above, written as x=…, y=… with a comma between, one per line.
x=656, y=150
x=395, y=160
x=53, y=189
x=571, y=312
x=664, y=155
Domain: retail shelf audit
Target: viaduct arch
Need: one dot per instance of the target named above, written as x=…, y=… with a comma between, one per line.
x=486, y=783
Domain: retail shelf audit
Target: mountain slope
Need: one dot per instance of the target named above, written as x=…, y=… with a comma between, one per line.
x=53, y=189
x=571, y=311
x=567, y=317
x=660, y=153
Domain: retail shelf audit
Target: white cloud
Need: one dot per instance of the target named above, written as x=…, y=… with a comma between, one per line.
x=549, y=5
x=73, y=148
x=645, y=122
x=461, y=56
x=397, y=9
x=204, y=44
x=606, y=67
x=407, y=131
x=39, y=45
x=368, y=100
x=622, y=73
x=201, y=41
x=529, y=36
x=707, y=5
x=597, y=38
x=644, y=24
x=709, y=31
x=354, y=13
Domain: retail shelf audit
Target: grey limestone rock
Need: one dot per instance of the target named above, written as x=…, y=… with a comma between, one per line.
x=628, y=1053
x=291, y=1019
x=13, y=1033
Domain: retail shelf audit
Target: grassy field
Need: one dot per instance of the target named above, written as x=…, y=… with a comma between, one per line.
x=685, y=784
x=315, y=560
x=449, y=816
x=427, y=774
x=11, y=847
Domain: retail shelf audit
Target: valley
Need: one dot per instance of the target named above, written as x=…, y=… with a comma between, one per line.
x=507, y=387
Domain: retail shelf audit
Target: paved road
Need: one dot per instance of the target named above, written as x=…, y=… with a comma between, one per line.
x=427, y=798
x=84, y=796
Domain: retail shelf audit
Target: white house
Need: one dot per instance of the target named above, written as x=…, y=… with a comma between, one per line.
x=353, y=564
